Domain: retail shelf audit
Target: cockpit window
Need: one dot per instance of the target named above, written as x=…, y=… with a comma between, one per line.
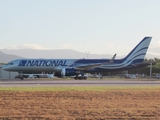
x=10, y=64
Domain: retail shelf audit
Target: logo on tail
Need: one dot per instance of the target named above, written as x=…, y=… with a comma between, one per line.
x=139, y=52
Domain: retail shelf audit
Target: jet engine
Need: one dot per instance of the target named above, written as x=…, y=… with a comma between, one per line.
x=68, y=72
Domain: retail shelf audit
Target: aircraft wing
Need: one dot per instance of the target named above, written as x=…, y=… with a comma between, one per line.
x=94, y=65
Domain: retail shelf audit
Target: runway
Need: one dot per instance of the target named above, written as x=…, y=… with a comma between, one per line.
x=34, y=83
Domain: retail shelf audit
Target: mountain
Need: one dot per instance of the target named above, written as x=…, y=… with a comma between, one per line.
x=55, y=54
x=7, y=55
x=5, y=58
x=151, y=56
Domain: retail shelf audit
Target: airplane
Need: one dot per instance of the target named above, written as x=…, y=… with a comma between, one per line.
x=78, y=67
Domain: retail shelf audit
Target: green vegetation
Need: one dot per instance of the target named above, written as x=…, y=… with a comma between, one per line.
x=79, y=88
x=3, y=63
x=146, y=70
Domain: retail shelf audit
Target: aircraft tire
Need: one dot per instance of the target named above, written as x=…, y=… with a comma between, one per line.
x=80, y=78
x=85, y=78
x=22, y=78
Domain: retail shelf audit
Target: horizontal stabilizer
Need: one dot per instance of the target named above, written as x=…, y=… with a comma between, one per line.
x=113, y=58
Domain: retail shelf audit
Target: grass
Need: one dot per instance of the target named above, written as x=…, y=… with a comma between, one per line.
x=79, y=88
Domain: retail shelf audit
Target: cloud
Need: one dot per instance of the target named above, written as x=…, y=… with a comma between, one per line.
x=67, y=46
x=154, y=48
x=155, y=45
x=27, y=46
x=109, y=45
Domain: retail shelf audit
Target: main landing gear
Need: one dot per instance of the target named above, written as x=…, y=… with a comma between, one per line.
x=19, y=77
x=80, y=77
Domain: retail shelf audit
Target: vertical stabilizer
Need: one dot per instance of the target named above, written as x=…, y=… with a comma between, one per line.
x=139, y=52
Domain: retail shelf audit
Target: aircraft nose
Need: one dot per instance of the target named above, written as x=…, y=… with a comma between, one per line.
x=6, y=68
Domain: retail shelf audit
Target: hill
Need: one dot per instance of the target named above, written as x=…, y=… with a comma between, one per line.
x=7, y=55
x=55, y=54
x=5, y=58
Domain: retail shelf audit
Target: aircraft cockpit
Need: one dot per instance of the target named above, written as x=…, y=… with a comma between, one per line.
x=10, y=63
x=8, y=66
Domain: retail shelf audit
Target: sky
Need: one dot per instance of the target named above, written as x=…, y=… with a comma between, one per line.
x=90, y=26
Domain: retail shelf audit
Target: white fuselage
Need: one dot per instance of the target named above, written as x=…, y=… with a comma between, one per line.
x=38, y=64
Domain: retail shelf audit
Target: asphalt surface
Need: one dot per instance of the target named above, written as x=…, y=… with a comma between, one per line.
x=48, y=82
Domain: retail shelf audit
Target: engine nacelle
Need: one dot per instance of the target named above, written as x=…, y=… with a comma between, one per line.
x=68, y=72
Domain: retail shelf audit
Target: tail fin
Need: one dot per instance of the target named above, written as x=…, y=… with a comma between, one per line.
x=138, y=53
